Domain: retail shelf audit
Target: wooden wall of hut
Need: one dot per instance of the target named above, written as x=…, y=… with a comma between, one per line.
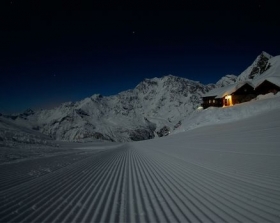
x=243, y=94
x=237, y=99
x=211, y=101
x=267, y=87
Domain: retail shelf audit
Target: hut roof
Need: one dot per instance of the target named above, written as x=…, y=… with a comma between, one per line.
x=272, y=79
x=223, y=91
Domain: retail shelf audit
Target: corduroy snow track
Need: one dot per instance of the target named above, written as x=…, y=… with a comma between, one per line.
x=129, y=184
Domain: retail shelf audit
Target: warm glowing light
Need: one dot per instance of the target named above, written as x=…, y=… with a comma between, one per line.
x=228, y=100
x=228, y=97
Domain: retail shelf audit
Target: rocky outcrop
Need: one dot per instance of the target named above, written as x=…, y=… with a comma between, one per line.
x=259, y=65
x=164, y=131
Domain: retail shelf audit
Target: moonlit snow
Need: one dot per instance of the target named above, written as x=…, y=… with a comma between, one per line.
x=223, y=166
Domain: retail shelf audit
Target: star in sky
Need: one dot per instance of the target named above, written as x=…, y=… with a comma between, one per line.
x=167, y=41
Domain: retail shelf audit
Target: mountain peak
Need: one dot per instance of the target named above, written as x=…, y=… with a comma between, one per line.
x=259, y=65
x=267, y=55
x=96, y=96
x=226, y=80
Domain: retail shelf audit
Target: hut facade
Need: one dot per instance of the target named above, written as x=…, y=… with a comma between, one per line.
x=230, y=95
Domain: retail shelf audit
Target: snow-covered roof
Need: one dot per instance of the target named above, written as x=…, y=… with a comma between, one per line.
x=272, y=79
x=223, y=91
x=219, y=91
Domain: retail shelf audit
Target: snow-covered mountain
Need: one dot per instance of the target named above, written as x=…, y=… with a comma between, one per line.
x=260, y=64
x=264, y=65
x=226, y=80
x=152, y=109
x=272, y=73
x=12, y=134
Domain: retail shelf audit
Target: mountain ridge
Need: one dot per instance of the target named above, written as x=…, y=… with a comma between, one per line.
x=152, y=109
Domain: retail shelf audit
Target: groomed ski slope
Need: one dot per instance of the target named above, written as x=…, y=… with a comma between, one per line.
x=218, y=173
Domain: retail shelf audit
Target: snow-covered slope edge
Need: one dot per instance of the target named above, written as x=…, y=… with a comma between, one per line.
x=214, y=115
x=18, y=142
x=11, y=133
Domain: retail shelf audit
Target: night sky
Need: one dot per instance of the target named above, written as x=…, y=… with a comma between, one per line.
x=66, y=51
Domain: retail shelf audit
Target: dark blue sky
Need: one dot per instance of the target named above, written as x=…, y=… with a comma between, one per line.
x=68, y=51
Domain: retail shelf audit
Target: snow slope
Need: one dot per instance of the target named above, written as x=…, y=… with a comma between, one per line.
x=11, y=131
x=216, y=115
x=217, y=173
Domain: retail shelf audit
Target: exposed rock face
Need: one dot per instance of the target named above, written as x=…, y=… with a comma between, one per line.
x=164, y=131
x=259, y=65
x=138, y=114
x=141, y=134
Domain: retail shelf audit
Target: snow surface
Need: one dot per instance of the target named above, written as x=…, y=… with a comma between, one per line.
x=223, y=172
x=218, y=115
